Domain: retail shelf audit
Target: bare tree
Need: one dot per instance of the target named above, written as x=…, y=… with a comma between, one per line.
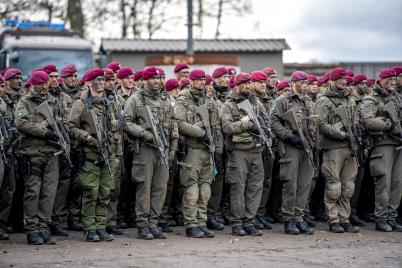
x=14, y=8
x=75, y=15
x=228, y=7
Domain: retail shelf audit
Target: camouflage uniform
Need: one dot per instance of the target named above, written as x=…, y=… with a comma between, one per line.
x=244, y=170
x=148, y=171
x=339, y=166
x=196, y=169
x=40, y=165
x=95, y=179
x=385, y=159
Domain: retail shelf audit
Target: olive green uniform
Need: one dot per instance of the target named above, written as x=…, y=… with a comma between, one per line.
x=339, y=166
x=244, y=170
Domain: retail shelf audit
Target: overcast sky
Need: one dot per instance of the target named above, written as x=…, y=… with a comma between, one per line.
x=319, y=30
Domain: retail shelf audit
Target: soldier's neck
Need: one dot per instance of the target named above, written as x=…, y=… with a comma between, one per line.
x=126, y=91
x=96, y=94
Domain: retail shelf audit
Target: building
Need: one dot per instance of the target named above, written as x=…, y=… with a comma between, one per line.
x=244, y=54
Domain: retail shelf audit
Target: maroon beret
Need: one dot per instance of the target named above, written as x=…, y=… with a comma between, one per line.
x=370, y=81
x=358, y=78
x=232, y=70
x=180, y=67
x=311, y=79
x=115, y=66
x=124, y=72
x=28, y=83
x=171, y=84
x=60, y=81
x=81, y=82
x=68, y=70
x=281, y=85
x=50, y=68
x=349, y=73
x=258, y=76
x=349, y=80
x=10, y=73
x=208, y=79
x=108, y=73
x=161, y=71
x=326, y=76
x=1, y=80
x=397, y=70
x=298, y=75
x=387, y=73
x=269, y=71
x=92, y=74
x=218, y=72
x=2, y=72
x=231, y=82
x=138, y=75
x=149, y=72
x=39, y=77
x=196, y=74
x=241, y=78
x=337, y=73
x=183, y=83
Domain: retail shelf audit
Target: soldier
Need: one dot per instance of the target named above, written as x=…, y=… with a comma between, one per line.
x=259, y=79
x=72, y=88
x=91, y=122
x=386, y=138
x=60, y=206
x=172, y=88
x=197, y=168
x=149, y=170
x=360, y=92
x=12, y=94
x=184, y=83
x=181, y=70
x=295, y=147
x=244, y=170
x=38, y=145
x=283, y=88
x=398, y=72
x=272, y=79
x=138, y=80
x=339, y=166
x=3, y=111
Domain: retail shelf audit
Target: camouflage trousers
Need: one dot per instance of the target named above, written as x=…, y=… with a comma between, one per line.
x=268, y=162
x=339, y=169
x=386, y=168
x=96, y=184
x=196, y=177
x=7, y=190
x=114, y=195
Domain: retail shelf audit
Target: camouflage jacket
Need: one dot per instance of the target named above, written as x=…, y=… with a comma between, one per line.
x=11, y=98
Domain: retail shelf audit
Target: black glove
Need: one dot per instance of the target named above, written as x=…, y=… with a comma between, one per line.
x=294, y=139
x=254, y=130
x=204, y=139
x=49, y=135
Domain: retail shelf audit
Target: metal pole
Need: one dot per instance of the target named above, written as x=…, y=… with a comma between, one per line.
x=190, y=42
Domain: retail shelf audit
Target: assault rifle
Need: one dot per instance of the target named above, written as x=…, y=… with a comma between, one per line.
x=390, y=110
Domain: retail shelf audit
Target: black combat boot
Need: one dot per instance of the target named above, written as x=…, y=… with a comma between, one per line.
x=7, y=228
x=180, y=221
x=113, y=230
x=238, y=231
x=219, y=219
x=308, y=220
x=269, y=219
x=304, y=229
x=91, y=236
x=171, y=223
x=291, y=228
x=121, y=224
x=33, y=238
x=252, y=231
x=164, y=227
x=261, y=220
x=156, y=233
x=383, y=226
x=336, y=228
x=208, y=233
x=395, y=226
x=228, y=219
x=143, y=233
x=75, y=225
x=213, y=224
x=58, y=230
x=104, y=236
x=47, y=238
x=356, y=221
x=349, y=228
x=194, y=232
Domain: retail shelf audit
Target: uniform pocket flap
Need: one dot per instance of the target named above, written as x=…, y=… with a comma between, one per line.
x=138, y=163
x=285, y=160
x=375, y=156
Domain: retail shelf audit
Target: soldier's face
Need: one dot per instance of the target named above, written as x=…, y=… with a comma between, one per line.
x=53, y=80
x=174, y=93
x=300, y=87
x=98, y=84
x=362, y=87
x=71, y=81
x=163, y=80
x=41, y=89
x=109, y=84
x=389, y=84
x=245, y=88
x=128, y=82
x=182, y=73
x=198, y=84
x=341, y=83
x=312, y=88
x=399, y=80
x=15, y=82
x=154, y=83
x=272, y=80
x=210, y=90
x=138, y=83
x=259, y=87
x=223, y=81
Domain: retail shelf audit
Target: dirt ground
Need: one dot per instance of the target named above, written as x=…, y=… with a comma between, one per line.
x=275, y=249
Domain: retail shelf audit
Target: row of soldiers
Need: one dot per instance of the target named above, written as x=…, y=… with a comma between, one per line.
x=201, y=151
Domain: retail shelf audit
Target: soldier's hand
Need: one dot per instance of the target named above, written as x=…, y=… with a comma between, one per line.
x=50, y=135
x=389, y=125
x=245, y=119
x=148, y=136
x=204, y=139
x=92, y=142
x=254, y=129
x=294, y=139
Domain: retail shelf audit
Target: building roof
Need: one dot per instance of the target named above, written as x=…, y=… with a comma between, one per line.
x=200, y=45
